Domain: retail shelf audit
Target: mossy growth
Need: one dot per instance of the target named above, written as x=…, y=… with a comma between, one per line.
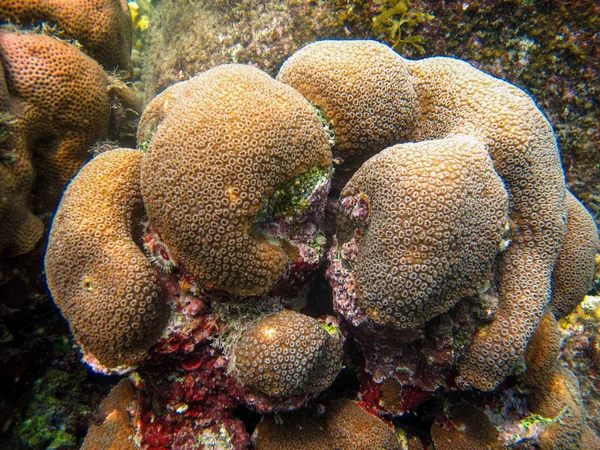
x=292, y=198
x=397, y=21
x=327, y=126
x=49, y=419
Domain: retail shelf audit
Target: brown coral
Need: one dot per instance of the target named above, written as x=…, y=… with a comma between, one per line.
x=454, y=98
x=287, y=354
x=227, y=140
x=343, y=426
x=98, y=277
x=433, y=226
x=471, y=430
x=20, y=229
x=58, y=103
x=555, y=392
x=60, y=100
x=364, y=91
x=574, y=271
x=116, y=431
x=102, y=27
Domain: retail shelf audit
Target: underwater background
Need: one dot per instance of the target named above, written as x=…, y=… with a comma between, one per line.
x=49, y=397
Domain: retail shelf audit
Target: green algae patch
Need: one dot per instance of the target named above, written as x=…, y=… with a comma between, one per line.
x=292, y=199
x=52, y=409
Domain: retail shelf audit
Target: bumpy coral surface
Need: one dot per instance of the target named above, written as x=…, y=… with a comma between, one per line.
x=454, y=98
x=102, y=27
x=470, y=429
x=98, y=276
x=287, y=354
x=366, y=94
x=20, y=229
x=56, y=105
x=574, y=271
x=555, y=392
x=219, y=145
x=115, y=430
x=429, y=219
x=343, y=426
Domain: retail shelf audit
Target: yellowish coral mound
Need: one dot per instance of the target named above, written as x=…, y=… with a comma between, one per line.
x=219, y=145
x=450, y=97
x=343, y=426
x=102, y=27
x=99, y=278
x=432, y=225
x=574, y=272
x=287, y=354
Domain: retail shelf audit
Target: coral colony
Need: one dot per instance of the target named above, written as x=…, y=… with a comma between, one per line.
x=429, y=195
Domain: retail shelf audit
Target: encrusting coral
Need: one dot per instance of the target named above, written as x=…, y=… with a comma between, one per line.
x=427, y=221
x=102, y=27
x=342, y=426
x=99, y=278
x=287, y=354
x=208, y=171
x=451, y=97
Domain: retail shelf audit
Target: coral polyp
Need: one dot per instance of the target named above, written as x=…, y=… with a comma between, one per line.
x=243, y=281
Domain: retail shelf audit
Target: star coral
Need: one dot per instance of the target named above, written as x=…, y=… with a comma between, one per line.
x=98, y=276
x=434, y=224
x=57, y=103
x=450, y=97
x=101, y=27
x=419, y=267
x=209, y=170
x=342, y=426
x=287, y=354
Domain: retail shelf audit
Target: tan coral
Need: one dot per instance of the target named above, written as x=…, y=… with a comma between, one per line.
x=98, y=276
x=472, y=430
x=287, y=354
x=343, y=426
x=59, y=97
x=453, y=98
x=20, y=229
x=555, y=392
x=102, y=27
x=226, y=141
x=364, y=91
x=574, y=271
x=116, y=431
x=430, y=231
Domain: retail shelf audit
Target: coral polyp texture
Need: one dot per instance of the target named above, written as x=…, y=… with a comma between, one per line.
x=187, y=261
x=102, y=27
x=451, y=97
x=57, y=102
x=366, y=94
x=99, y=278
x=115, y=430
x=62, y=102
x=427, y=220
x=574, y=271
x=287, y=354
x=219, y=146
x=342, y=426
